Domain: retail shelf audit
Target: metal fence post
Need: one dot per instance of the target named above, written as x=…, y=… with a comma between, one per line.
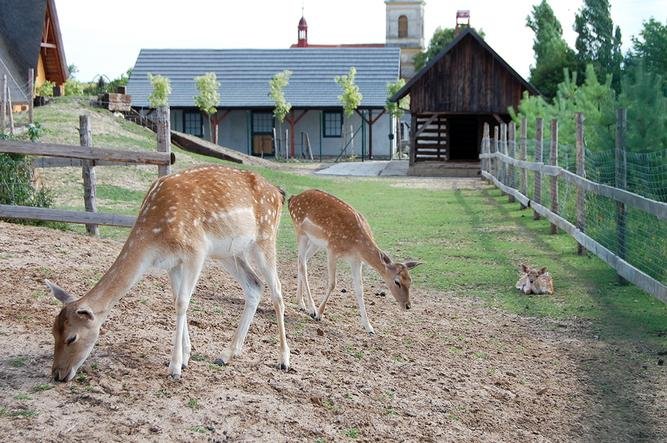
x=3, y=110
x=31, y=94
x=88, y=172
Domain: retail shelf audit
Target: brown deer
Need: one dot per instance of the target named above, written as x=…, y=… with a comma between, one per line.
x=322, y=221
x=213, y=211
x=535, y=281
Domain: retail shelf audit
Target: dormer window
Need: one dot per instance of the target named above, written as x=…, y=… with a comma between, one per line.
x=402, y=26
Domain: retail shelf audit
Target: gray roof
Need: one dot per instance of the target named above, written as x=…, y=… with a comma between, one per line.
x=244, y=74
x=21, y=24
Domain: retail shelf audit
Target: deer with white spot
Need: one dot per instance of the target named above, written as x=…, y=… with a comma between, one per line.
x=213, y=211
x=322, y=221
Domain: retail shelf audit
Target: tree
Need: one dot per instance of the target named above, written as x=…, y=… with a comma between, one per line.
x=597, y=43
x=208, y=98
x=396, y=109
x=351, y=95
x=650, y=50
x=120, y=81
x=441, y=38
x=161, y=90
x=552, y=54
x=277, y=87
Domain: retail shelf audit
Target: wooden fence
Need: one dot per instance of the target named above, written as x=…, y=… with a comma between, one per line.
x=88, y=157
x=498, y=163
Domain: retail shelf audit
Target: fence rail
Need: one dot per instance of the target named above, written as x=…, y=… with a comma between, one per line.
x=499, y=168
x=87, y=157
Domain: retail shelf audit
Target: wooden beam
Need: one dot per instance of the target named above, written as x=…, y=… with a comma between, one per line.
x=428, y=122
x=85, y=153
x=48, y=45
x=49, y=214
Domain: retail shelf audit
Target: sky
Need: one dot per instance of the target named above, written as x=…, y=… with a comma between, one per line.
x=104, y=37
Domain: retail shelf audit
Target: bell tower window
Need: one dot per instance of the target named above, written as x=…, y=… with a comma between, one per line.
x=402, y=26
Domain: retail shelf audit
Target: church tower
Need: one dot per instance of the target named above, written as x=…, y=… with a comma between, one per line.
x=405, y=29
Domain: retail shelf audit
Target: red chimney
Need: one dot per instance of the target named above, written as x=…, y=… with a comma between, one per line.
x=302, y=41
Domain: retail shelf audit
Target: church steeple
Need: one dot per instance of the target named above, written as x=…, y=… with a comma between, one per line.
x=302, y=41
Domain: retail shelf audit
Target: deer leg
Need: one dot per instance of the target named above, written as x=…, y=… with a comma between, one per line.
x=305, y=253
x=183, y=278
x=359, y=293
x=331, y=262
x=301, y=270
x=252, y=292
x=266, y=263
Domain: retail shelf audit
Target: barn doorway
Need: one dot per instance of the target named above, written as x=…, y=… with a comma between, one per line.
x=463, y=138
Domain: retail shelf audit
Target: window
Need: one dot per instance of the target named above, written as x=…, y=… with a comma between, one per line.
x=402, y=27
x=192, y=123
x=332, y=124
x=262, y=123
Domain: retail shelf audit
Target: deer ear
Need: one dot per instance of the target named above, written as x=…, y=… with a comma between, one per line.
x=385, y=258
x=524, y=268
x=85, y=313
x=542, y=271
x=412, y=264
x=59, y=292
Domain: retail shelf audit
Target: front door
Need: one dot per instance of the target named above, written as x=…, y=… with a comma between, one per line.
x=262, y=134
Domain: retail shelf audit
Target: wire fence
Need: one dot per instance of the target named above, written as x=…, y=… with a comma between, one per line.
x=632, y=234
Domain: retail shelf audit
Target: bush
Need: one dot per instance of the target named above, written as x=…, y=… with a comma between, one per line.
x=73, y=87
x=45, y=89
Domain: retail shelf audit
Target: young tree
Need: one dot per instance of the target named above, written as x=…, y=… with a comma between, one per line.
x=552, y=54
x=351, y=95
x=396, y=109
x=650, y=49
x=161, y=90
x=597, y=42
x=277, y=87
x=208, y=98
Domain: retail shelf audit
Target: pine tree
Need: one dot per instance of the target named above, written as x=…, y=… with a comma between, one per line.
x=650, y=50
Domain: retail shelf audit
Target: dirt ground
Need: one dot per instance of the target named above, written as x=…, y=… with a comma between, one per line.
x=450, y=369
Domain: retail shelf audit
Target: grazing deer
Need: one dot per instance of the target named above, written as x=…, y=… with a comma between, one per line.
x=322, y=221
x=535, y=281
x=213, y=211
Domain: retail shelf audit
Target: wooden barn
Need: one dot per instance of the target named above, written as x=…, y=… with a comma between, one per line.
x=464, y=86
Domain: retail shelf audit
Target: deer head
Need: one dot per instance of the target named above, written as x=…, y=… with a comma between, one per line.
x=397, y=278
x=535, y=281
x=75, y=331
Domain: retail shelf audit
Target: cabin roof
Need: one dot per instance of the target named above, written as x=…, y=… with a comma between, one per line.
x=244, y=75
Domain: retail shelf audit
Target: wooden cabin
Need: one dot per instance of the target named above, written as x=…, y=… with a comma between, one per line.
x=30, y=39
x=464, y=86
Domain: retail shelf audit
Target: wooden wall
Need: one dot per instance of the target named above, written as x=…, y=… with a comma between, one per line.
x=468, y=79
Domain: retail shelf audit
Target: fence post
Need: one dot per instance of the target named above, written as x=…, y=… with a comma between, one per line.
x=581, y=171
x=88, y=172
x=163, y=137
x=3, y=114
x=523, y=185
x=554, y=178
x=494, y=148
x=503, y=150
x=621, y=182
x=539, y=138
x=485, y=147
x=31, y=94
x=511, y=135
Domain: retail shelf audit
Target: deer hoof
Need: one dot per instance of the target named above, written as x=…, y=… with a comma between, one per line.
x=283, y=367
x=220, y=362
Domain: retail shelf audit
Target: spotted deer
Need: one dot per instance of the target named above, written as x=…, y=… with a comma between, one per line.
x=322, y=221
x=213, y=211
x=535, y=281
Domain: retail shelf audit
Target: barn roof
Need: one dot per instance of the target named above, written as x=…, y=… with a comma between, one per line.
x=244, y=75
x=467, y=33
x=21, y=29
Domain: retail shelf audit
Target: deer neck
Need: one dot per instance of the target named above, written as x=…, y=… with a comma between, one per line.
x=130, y=265
x=372, y=255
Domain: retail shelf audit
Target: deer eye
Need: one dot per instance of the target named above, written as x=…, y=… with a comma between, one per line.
x=398, y=283
x=71, y=340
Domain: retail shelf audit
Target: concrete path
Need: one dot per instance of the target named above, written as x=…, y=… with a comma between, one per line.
x=371, y=168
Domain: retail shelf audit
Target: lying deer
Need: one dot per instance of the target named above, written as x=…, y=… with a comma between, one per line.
x=185, y=218
x=324, y=222
x=535, y=281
